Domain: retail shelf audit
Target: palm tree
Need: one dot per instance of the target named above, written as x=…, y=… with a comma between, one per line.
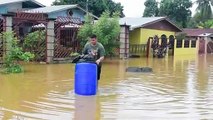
x=204, y=8
x=207, y=24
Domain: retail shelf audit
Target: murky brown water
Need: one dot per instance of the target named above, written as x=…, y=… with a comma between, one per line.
x=179, y=89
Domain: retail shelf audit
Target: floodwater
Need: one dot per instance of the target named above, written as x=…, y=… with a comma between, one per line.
x=178, y=89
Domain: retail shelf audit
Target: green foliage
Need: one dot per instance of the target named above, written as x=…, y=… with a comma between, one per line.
x=192, y=23
x=203, y=15
x=35, y=42
x=177, y=10
x=107, y=30
x=96, y=7
x=14, y=54
x=86, y=30
x=74, y=54
x=204, y=8
x=151, y=8
x=207, y=24
x=181, y=36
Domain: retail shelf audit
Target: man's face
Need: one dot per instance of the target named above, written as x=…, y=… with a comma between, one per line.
x=93, y=41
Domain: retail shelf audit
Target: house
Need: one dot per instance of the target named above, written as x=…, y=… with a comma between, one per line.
x=144, y=28
x=204, y=36
x=60, y=23
x=12, y=6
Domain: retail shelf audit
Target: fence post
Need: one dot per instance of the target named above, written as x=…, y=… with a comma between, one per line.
x=124, y=42
x=7, y=26
x=50, y=40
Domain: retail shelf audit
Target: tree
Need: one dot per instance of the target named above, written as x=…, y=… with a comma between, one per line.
x=177, y=10
x=204, y=8
x=207, y=24
x=192, y=23
x=86, y=30
x=106, y=28
x=151, y=8
x=96, y=7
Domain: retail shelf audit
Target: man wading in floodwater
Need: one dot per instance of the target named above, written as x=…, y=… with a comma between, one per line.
x=96, y=49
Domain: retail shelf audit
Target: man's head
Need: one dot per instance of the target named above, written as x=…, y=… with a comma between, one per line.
x=93, y=39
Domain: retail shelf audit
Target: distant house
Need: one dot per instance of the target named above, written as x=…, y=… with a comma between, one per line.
x=141, y=29
x=205, y=37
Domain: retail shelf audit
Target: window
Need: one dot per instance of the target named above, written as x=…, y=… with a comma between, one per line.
x=171, y=42
x=163, y=40
x=193, y=44
x=186, y=43
x=179, y=43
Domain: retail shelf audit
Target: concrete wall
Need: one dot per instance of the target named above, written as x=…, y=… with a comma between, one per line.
x=124, y=42
x=3, y=9
x=10, y=8
x=146, y=33
x=141, y=35
x=135, y=36
x=76, y=14
x=186, y=51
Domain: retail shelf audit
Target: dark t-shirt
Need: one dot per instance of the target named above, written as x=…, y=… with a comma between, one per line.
x=96, y=50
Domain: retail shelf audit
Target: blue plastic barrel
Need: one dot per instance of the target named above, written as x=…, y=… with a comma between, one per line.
x=86, y=79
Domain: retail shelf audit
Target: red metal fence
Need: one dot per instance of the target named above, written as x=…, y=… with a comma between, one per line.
x=1, y=41
x=66, y=29
x=66, y=42
x=25, y=23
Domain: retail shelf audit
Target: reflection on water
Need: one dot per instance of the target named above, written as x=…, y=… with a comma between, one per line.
x=178, y=88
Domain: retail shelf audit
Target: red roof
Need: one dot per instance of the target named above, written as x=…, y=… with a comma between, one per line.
x=196, y=32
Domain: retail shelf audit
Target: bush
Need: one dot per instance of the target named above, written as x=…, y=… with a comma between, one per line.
x=35, y=42
x=107, y=30
x=14, y=54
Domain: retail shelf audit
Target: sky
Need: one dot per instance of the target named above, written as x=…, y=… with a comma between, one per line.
x=132, y=8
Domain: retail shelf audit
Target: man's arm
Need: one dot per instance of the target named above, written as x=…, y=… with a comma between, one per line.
x=100, y=60
x=102, y=54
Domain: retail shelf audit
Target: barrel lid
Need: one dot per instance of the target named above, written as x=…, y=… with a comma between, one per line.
x=86, y=61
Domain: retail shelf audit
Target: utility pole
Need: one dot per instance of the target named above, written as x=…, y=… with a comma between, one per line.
x=87, y=7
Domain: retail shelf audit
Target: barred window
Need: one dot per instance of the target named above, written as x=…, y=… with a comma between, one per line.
x=179, y=43
x=186, y=43
x=193, y=44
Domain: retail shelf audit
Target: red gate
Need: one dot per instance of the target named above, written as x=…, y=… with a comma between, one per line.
x=1, y=41
x=66, y=42
x=25, y=23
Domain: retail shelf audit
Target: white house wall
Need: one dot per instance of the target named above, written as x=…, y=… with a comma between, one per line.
x=76, y=14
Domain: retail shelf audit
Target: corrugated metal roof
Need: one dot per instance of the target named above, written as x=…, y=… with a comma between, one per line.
x=50, y=9
x=138, y=22
x=11, y=1
x=3, y=2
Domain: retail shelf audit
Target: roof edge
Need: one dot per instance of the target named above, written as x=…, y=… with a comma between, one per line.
x=163, y=18
x=75, y=6
x=36, y=2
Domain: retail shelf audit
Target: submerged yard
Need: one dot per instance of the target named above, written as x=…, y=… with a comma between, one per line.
x=178, y=88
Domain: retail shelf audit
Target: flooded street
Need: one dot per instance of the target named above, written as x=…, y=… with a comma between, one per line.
x=178, y=89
